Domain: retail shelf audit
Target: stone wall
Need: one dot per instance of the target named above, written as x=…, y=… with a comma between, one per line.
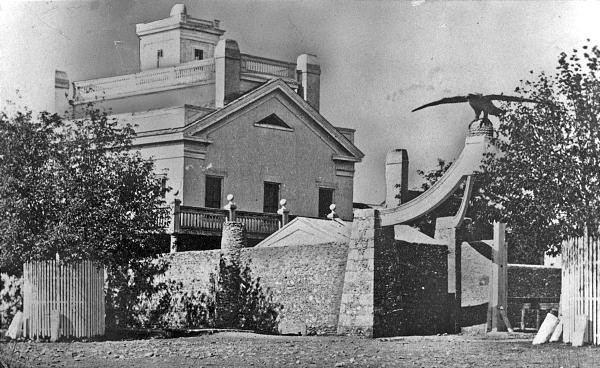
x=410, y=289
x=306, y=279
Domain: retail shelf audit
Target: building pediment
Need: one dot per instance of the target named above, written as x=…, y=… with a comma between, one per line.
x=277, y=90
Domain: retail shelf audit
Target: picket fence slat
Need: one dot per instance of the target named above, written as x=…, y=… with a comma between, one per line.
x=75, y=291
x=580, y=291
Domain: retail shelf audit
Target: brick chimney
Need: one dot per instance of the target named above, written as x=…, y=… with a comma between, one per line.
x=396, y=172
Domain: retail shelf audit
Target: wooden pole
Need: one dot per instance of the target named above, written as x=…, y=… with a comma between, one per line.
x=498, y=280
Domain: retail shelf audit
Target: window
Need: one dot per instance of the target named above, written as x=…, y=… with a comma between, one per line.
x=163, y=186
x=271, y=198
x=198, y=54
x=212, y=193
x=325, y=200
x=159, y=54
x=273, y=121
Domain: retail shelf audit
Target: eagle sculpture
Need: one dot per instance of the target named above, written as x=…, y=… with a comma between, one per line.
x=479, y=102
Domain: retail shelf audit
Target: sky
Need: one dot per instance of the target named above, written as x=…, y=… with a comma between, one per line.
x=379, y=59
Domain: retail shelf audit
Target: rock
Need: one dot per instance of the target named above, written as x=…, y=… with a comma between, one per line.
x=15, y=330
x=148, y=355
x=340, y=364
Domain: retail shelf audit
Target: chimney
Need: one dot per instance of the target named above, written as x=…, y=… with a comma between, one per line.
x=227, y=72
x=309, y=77
x=61, y=92
x=396, y=173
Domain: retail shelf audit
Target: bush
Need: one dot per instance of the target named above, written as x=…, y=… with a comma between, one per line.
x=234, y=300
x=11, y=298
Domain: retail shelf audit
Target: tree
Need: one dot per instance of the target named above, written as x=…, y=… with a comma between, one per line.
x=477, y=211
x=545, y=180
x=76, y=190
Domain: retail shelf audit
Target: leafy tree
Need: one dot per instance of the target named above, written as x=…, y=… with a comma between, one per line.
x=76, y=190
x=544, y=180
x=480, y=218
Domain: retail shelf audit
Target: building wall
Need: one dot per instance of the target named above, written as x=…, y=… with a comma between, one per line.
x=300, y=160
x=168, y=41
x=199, y=95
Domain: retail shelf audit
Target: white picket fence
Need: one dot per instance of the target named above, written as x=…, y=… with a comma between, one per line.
x=581, y=287
x=71, y=294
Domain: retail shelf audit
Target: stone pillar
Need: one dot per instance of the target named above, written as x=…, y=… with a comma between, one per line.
x=396, y=177
x=356, y=315
x=446, y=230
x=233, y=239
x=227, y=72
x=309, y=75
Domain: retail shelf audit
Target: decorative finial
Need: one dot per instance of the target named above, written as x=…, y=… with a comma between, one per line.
x=231, y=207
x=284, y=212
x=333, y=214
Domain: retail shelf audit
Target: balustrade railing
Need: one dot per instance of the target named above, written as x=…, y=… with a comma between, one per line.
x=210, y=220
x=105, y=88
x=260, y=65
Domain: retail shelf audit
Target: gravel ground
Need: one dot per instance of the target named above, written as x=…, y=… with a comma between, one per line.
x=230, y=349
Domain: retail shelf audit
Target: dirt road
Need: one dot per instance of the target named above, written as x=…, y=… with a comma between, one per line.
x=251, y=350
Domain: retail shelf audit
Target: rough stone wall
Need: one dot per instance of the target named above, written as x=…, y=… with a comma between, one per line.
x=192, y=269
x=410, y=289
x=306, y=279
x=356, y=308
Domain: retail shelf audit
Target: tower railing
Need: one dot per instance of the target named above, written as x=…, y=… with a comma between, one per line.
x=149, y=80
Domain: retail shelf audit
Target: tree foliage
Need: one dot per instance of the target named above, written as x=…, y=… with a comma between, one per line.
x=76, y=190
x=544, y=179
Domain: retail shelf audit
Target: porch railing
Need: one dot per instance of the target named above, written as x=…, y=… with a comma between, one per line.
x=209, y=221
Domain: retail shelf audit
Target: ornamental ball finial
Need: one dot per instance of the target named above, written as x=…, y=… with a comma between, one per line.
x=283, y=202
x=230, y=197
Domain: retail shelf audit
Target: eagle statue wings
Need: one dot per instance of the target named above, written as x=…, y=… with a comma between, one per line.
x=479, y=102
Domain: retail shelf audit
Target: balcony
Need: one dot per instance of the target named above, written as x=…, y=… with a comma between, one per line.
x=264, y=67
x=209, y=221
x=194, y=72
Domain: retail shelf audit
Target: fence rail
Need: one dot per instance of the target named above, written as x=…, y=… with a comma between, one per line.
x=105, y=88
x=68, y=296
x=580, y=293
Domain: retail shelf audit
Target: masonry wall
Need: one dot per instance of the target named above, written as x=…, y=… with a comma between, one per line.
x=306, y=279
x=411, y=284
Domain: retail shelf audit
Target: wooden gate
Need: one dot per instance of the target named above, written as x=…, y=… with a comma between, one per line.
x=70, y=296
x=581, y=287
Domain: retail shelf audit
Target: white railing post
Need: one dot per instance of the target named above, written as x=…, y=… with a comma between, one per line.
x=284, y=212
x=333, y=215
x=231, y=207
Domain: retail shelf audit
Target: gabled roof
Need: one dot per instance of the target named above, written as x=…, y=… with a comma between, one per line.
x=256, y=94
x=306, y=230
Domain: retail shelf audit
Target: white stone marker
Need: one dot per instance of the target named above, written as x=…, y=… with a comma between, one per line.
x=546, y=329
